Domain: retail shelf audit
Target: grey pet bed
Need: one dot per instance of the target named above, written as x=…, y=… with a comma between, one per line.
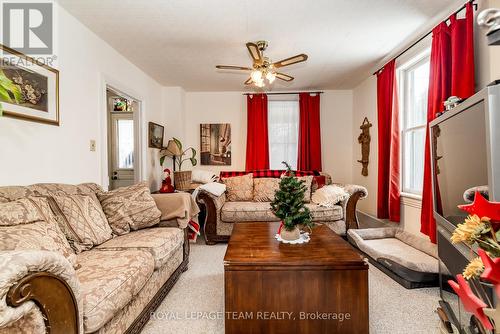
x=409, y=260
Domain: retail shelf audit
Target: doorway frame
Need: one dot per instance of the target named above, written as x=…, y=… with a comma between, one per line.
x=139, y=129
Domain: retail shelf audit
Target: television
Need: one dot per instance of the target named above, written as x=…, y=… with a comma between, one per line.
x=465, y=155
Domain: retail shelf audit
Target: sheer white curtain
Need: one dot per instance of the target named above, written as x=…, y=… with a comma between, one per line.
x=283, y=126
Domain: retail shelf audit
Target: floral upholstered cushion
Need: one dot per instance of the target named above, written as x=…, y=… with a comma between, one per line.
x=109, y=281
x=239, y=188
x=81, y=220
x=247, y=212
x=12, y=193
x=308, y=183
x=265, y=188
x=161, y=242
x=130, y=208
x=28, y=223
x=324, y=214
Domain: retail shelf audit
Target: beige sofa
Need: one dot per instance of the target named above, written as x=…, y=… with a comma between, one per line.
x=112, y=288
x=222, y=214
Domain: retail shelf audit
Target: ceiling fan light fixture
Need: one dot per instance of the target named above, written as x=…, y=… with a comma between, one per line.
x=256, y=76
x=270, y=76
x=260, y=83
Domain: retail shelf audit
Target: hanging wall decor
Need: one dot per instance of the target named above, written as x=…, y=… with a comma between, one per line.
x=29, y=90
x=215, y=144
x=364, y=139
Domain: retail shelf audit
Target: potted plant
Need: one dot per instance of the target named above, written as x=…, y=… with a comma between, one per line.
x=289, y=206
x=182, y=179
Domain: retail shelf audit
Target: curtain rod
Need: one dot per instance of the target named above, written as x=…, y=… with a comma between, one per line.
x=427, y=34
x=283, y=93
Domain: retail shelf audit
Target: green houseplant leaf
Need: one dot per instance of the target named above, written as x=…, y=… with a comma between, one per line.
x=178, y=143
x=9, y=90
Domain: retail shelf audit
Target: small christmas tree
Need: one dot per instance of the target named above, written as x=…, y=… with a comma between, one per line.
x=288, y=204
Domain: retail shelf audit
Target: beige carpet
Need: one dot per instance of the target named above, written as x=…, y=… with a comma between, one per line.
x=393, y=309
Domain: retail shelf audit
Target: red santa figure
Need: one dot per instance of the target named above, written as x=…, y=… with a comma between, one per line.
x=166, y=184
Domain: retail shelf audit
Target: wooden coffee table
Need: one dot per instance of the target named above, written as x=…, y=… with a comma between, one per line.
x=271, y=287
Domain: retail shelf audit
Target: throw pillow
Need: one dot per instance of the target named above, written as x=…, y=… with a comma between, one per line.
x=82, y=221
x=28, y=223
x=318, y=183
x=265, y=188
x=129, y=208
x=329, y=195
x=239, y=188
x=308, y=183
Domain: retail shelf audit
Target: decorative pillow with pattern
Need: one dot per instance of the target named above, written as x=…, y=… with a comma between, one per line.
x=265, y=188
x=28, y=223
x=239, y=188
x=308, y=183
x=82, y=221
x=129, y=208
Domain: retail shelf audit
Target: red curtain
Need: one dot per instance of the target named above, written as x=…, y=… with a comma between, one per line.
x=462, y=54
x=257, y=156
x=451, y=73
x=388, y=194
x=309, y=154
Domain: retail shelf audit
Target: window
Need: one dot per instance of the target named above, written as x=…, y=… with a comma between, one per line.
x=414, y=81
x=283, y=126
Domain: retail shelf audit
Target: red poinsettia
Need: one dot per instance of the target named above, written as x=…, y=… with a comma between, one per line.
x=491, y=271
x=483, y=208
x=470, y=301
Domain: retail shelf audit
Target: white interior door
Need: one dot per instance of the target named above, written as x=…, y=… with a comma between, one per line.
x=122, y=150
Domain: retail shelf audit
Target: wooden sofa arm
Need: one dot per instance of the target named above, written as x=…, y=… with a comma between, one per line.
x=356, y=193
x=48, y=280
x=213, y=204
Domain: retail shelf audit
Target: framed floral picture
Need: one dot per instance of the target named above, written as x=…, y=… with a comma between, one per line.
x=29, y=90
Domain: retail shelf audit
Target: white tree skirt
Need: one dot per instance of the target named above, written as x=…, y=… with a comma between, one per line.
x=304, y=237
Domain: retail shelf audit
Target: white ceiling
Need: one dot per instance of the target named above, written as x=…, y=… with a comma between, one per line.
x=179, y=42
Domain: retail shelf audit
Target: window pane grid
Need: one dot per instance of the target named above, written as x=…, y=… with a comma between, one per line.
x=283, y=126
x=415, y=81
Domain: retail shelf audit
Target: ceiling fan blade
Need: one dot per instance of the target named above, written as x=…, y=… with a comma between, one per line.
x=254, y=51
x=292, y=60
x=249, y=81
x=284, y=77
x=230, y=67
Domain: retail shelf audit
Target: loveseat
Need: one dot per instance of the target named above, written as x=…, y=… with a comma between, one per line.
x=55, y=284
x=222, y=212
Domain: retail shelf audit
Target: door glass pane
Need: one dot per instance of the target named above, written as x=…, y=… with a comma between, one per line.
x=416, y=104
x=414, y=142
x=125, y=147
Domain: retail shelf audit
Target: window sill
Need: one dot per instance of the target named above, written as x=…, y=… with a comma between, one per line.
x=411, y=200
x=412, y=196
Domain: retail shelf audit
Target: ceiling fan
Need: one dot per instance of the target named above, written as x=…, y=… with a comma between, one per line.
x=263, y=69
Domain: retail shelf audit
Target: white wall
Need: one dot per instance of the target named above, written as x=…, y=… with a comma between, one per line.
x=230, y=107
x=217, y=107
x=336, y=134
x=365, y=105
x=32, y=152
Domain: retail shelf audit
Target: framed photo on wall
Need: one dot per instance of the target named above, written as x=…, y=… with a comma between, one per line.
x=215, y=144
x=29, y=90
x=155, y=137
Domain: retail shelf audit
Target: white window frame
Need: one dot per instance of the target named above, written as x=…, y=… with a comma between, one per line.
x=402, y=99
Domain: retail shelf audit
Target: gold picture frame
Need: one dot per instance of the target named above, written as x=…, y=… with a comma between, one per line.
x=37, y=84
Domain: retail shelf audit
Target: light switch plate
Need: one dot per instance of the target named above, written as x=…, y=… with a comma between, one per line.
x=92, y=145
